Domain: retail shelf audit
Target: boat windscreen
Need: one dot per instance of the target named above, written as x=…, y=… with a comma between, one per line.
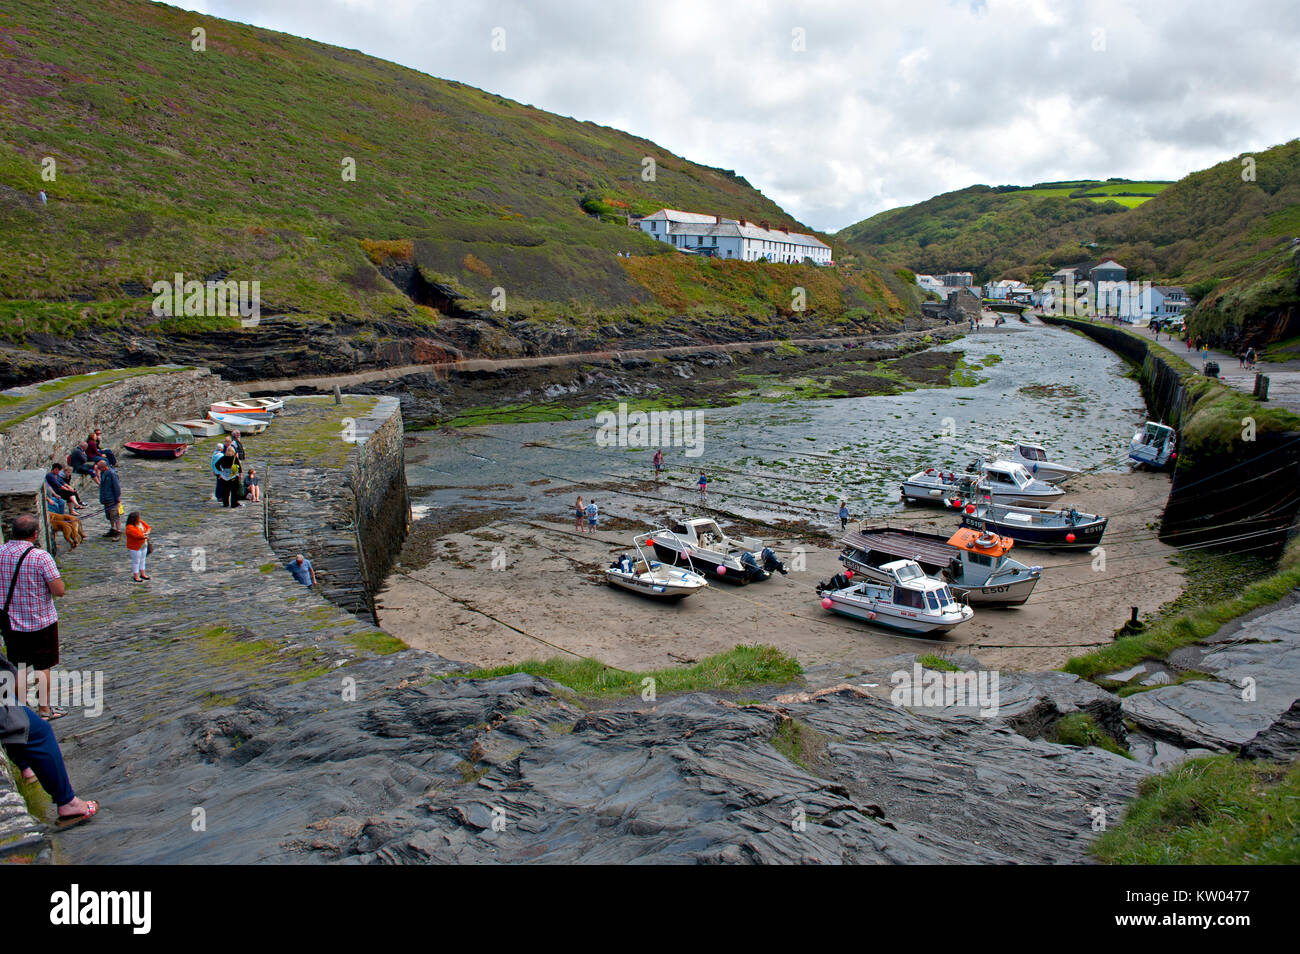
x=909, y=572
x=932, y=599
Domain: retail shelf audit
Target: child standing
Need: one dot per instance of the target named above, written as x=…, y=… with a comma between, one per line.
x=592, y=515
x=704, y=487
x=844, y=514
x=137, y=545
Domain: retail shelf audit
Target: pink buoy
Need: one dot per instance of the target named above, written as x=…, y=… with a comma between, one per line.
x=722, y=571
x=826, y=602
x=957, y=503
x=1069, y=538
x=871, y=615
x=970, y=508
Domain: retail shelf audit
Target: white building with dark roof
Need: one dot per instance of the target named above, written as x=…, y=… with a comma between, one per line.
x=700, y=234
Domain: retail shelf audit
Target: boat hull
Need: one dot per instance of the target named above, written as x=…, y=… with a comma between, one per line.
x=155, y=451
x=233, y=422
x=199, y=428
x=676, y=585
x=878, y=613
x=995, y=593
x=712, y=564
x=1086, y=535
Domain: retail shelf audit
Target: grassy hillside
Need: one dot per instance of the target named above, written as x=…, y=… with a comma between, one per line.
x=1227, y=239
x=998, y=231
x=229, y=162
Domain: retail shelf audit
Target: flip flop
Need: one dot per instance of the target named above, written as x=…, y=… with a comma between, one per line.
x=67, y=821
x=23, y=778
x=56, y=712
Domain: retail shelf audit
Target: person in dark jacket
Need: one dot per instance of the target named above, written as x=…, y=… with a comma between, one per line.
x=110, y=495
x=80, y=463
x=29, y=741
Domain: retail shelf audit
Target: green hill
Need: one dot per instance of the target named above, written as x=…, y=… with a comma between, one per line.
x=1227, y=239
x=996, y=231
x=229, y=163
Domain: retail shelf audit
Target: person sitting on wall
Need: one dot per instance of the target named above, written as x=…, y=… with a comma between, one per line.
x=81, y=463
x=58, y=483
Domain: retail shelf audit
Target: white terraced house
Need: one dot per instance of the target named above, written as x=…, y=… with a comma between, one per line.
x=698, y=234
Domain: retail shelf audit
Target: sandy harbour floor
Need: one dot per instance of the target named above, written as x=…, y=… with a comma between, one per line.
x=547, y=596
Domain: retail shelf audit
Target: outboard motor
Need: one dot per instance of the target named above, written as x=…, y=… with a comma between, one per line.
x=752, y=570
x=837, y=582
x=771, y=563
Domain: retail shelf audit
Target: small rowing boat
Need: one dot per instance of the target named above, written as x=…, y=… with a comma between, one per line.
x=237, y=422
x=199, y=428
x=246, y=408
x=154, y=450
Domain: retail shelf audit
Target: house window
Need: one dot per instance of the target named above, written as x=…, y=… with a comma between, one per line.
x=654, y=226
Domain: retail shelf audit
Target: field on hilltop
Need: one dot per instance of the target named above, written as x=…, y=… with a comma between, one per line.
x=233, y=162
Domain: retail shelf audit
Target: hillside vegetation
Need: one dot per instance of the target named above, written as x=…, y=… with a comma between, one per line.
x=1228, y=238
x=230, y=162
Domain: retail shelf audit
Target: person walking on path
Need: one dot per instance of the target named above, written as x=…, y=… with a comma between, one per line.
x=1250, y=358
x=137, y=545
x=228, y=476
x=237, y=444
x=593, y=515
x=659, y=464
x=110, y=495
x=29, y=741
x=302, y=571
x=844, y=514
x=29, y=618
x=703, y=484
x=579, y=516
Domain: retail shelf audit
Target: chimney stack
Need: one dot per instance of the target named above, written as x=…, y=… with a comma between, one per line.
x=785, y=229
x=717, y=218
x=764, y=225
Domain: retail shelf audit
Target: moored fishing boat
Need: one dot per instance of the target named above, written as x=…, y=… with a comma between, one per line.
x=650, y=577
x=1031, y=527
x=701, y=544
x=237, y=422
x=1006, y=482
x=1034, y=458
x=1153, y=445
x=936, y=486
x=975, y=565
x=911, y=602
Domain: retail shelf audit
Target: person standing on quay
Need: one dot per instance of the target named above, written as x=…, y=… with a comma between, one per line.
x=579, y=516
x=844, y=514
x=659, y=464
x=110, y=495
x=31, y=584
x=137, y=545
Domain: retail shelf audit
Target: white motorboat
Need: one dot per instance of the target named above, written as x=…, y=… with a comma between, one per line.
x=701, y=545
x=236, y=422
x=936, y=486
x=1003, y=481
x=1010, y=484
x=199, y=428
x=652, y=578
x=911, y=602
x=1034, y=458
x=973, y=563
x=1154, y=445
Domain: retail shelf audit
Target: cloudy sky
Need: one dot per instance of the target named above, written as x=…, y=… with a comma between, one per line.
x=838, y=109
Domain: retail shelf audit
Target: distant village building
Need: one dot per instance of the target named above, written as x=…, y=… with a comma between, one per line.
x=931, y=284
x=961, y=306
x=697, y=233
x=957, y=279
x=1104, y=289
x=1008, y=290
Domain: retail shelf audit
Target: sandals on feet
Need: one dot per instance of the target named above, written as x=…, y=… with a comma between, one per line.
x=67, y=821
x=56, y=712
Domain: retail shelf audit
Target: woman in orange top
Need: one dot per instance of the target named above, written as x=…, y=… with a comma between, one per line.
x=137, y=544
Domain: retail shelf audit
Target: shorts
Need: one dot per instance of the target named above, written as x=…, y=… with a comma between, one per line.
x=110, y=512
x=38, y=649
x=591, y=521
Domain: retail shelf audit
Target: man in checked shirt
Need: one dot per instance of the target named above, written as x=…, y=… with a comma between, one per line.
x=32, y=630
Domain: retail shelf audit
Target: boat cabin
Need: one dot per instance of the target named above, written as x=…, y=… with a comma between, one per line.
x=912, y=589
x=1006, y=474
x=1032, y=452
x=1155, y=435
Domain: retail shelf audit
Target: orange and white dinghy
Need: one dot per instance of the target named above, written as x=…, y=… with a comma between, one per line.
x=248, y=407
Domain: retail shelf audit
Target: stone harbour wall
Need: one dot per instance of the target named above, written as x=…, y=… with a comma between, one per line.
x=350, y=524
x=126, y=409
